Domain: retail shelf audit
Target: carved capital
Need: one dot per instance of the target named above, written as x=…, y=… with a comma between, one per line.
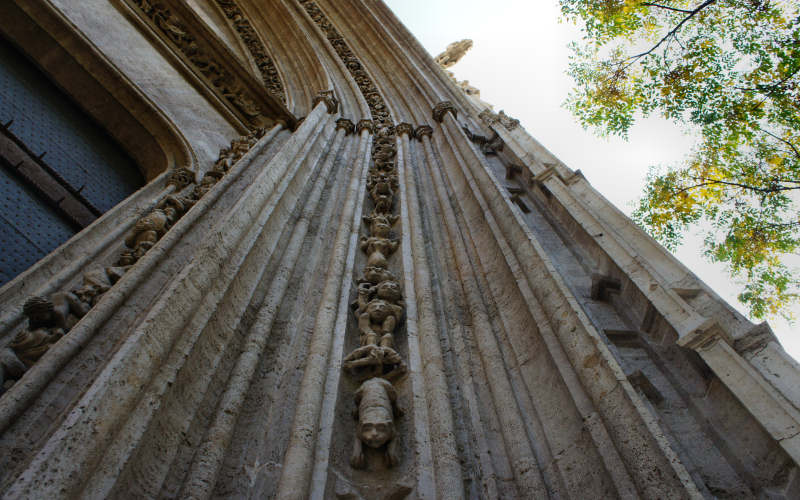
x=329, y=99
x=180, y=178
x=443, y=107
x=365, y=124
x=405, y=128
x=346, y=125
x=423, y=131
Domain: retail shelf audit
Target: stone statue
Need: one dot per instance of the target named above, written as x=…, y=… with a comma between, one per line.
x=378, y=320
x=45, y=326
x=453, y=53
x=376, y=409
x=375, y=275
x=150, y=228
x=380, y=224
x=378, y=249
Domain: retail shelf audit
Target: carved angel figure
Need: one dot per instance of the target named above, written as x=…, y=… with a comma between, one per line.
x=376, y=409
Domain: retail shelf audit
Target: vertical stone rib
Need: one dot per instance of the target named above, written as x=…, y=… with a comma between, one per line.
x=450, y=297
x=524, y=464
x=17, y=399
x=604, y=380
x=95, y=420
x=449, y=483
x=298, y=460
x=207, y=461
x=327, y=420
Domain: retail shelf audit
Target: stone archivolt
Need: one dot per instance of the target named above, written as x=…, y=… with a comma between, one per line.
x=543, y=346
x=195, y=50
x=51, y=318
x=377, y=106
x=255, y=46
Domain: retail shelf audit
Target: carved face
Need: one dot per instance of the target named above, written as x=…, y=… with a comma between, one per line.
x=375, y=432
x=389, y=290
x=376, y=274
x=87, y=293
x=379, y=310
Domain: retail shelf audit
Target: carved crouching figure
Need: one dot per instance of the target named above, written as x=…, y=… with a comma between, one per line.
x=376, y=408
x=46, y=325
x=379, y=319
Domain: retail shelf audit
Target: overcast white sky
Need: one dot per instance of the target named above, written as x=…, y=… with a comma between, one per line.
x=518, y=61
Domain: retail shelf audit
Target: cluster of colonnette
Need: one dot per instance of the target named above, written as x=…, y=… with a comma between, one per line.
x=379, y=309
x=50, y=318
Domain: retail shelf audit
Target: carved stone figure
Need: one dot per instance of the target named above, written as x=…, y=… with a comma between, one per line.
x=374, y=361
x=208, y=181
x=11, y=368
x=375, y=275
x=378, y=249
x=379, y=320
x=150, y=228
x=95, y=283
x=376, y=409
x=453, y=53
x=45, y=327
x=380, y=225
x=180, y=178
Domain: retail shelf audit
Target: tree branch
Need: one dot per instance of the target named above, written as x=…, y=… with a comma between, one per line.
x=792, y=146
x=674, y=30
x=648, y=4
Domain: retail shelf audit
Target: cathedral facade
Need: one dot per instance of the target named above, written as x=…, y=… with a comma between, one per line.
x=271, y=249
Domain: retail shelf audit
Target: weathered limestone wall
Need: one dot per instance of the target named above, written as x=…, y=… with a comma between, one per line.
x=537, y=343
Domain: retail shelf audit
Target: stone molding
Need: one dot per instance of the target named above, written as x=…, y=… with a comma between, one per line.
x=51, y=317
x=377, y=105
x=178, y=28
x=269, y=72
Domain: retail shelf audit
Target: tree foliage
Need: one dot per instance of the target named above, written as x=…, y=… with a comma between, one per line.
x=728, y=70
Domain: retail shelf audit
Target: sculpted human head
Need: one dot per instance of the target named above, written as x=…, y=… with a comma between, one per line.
x=376, y=429
x=389, y=290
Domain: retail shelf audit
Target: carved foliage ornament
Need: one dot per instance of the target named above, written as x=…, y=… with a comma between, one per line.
x=51, y=318
x=346, y=125
x=177, y=33
x=269, y=73
x=377, y=106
